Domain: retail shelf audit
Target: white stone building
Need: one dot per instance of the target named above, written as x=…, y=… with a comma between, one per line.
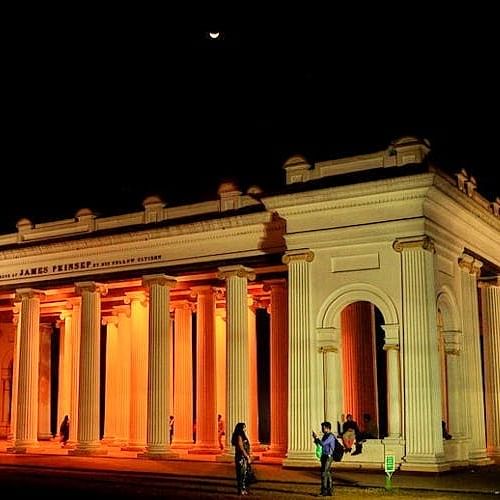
x=368, y=284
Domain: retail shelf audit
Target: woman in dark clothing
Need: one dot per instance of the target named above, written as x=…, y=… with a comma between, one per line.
x=64, y=431
x=242, y=457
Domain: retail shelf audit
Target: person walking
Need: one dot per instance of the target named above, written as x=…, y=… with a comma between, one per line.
x=64, y=431
x=327, y=443
x=242, y=457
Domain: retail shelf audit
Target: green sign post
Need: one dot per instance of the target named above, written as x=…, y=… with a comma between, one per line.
x=389, y=467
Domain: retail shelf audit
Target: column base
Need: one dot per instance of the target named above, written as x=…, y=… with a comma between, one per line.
x=300, y=459
x=45, y=436
x=158, y=455
x=205, y=451
x=182, y=445
x=23, y=448
x=275, y=452
x=259, y=447
x=86, y=450
x=419, y=463
x=481, y=461
x=133, y=448
x=225, y=457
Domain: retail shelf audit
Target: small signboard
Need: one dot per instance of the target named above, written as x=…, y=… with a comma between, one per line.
x=390, y=464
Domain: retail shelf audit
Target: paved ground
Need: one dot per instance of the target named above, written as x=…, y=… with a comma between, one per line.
x=118, y=475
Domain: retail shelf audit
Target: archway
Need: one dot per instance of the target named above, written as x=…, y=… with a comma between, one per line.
x=363, y=325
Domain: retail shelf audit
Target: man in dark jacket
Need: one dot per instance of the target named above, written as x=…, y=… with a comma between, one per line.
x=327, y=443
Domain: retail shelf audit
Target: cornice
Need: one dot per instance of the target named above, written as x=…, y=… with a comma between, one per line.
x=442, y=184
x=239, y=226
x=354, y=195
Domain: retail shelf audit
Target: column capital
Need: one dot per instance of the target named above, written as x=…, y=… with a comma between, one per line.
x=90, y=286
x=453, y=340
x=183, y=304
x=412, y=242
x=123, y=309
x=470, y=264
x=298, y=255
x=66, y=313
x=239, y=271
x=29, y=293
x=391, y=337
x=109, y=320
x=138, y=296
x=159, y=279
x=203, y=290
x=327, y=339
x=493, y=282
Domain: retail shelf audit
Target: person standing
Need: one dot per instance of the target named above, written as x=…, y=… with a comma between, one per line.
x=171, y=428
x=242, y=457
x=64, y=431
x=327, y=443
x=221, y=431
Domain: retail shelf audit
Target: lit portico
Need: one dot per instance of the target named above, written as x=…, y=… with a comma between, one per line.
x=356, y=256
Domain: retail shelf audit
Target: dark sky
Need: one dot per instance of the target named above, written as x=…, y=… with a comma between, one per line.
x=101, y=109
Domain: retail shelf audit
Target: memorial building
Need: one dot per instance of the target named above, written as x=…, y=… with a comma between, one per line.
x=365, y=285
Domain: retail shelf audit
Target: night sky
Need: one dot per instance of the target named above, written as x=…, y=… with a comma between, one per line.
x=106, y=108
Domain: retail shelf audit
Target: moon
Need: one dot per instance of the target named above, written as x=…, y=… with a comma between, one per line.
x=214, y=34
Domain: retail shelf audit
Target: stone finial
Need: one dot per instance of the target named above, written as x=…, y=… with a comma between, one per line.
x=252, y=190
x=495, y=207
x=230, y=196
x=153, y=201
x=84, y=214
x=471, y=186
x=297, y=169
x=153, y=209
x=24, y=225
x=408, y=149
x=462, y=178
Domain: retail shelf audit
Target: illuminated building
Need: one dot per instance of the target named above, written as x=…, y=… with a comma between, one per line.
x=372, y=281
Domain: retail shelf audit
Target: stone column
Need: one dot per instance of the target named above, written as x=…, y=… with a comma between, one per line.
x=206, y=380
x=112, y=396
x=491, y=334
x=64, y=386
x=6, y=381
x=279, y=367
x=424, y=444
x=237, y=376
x=138, y=370
x=453, y=345
x=220, y=358
x=123, y=376
x=300, y=358
x=44, y=383
x=183, y=376
x=159, y=359
x=473, y=389
x=88, y=401
x=357, y=323
x=76, y=309
x=253, y=379
x=328, y=348
x=15, y=371
x=27, y=386
x=391, y=347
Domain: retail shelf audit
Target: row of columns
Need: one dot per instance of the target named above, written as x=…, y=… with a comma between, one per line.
x=79, y=363
x=422, y=408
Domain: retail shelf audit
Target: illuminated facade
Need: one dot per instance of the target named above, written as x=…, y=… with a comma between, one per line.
x=369, y=284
